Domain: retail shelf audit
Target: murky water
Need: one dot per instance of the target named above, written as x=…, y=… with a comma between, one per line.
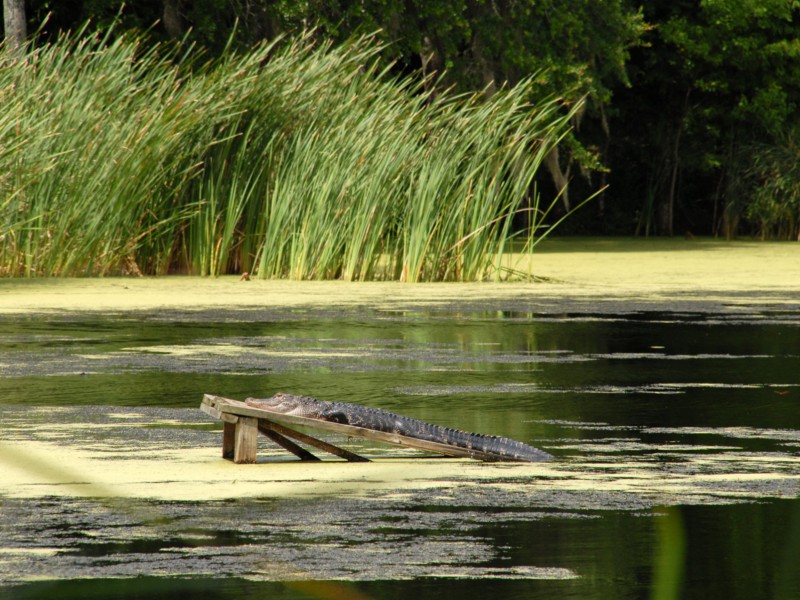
x=677, y=437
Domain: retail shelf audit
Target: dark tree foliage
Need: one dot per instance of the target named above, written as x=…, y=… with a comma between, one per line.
x=706, y=133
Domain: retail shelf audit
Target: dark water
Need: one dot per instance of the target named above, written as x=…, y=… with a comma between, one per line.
x=678, y=391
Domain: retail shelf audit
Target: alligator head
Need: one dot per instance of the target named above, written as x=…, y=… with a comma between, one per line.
x=289, y=404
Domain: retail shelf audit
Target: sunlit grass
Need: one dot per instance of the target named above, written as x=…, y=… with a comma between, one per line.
x=295, y=160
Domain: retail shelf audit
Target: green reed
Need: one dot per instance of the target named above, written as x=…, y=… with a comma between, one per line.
x=296, y=159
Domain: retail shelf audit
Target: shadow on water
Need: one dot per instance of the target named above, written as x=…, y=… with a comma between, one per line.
x=676, y=435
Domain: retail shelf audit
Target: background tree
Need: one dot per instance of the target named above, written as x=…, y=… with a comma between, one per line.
x=14, y=25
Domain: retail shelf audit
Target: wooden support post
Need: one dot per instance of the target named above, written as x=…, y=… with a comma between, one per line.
x=246, y=440
x=307, y=439
x=228, y=438
x=286, y=443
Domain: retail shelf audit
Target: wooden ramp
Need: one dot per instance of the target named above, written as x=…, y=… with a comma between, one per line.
x=242, y=423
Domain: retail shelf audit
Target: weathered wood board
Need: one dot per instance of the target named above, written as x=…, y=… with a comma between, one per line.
x=235, y=413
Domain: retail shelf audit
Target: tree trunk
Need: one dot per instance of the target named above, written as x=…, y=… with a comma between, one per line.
x=665, y=214
x=432, y=61
x=171, y=17
x=14, y=23
x=560, y=178
x=486, y=71
x=667, y=208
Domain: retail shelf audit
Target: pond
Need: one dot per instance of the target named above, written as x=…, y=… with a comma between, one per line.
x=675, y=428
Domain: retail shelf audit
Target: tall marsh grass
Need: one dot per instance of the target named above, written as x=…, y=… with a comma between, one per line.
x=296, y=159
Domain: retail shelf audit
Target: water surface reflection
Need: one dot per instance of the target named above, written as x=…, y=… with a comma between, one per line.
x=677, y=437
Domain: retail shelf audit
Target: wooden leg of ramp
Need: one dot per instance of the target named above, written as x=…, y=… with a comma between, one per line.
x=286, y=443
x=228, y=438
x=307, y=439
x=240, y=440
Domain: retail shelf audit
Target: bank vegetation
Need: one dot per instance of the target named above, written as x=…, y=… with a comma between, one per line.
x=294, y=159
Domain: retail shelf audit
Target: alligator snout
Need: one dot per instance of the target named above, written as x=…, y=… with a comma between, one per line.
x=280, y=402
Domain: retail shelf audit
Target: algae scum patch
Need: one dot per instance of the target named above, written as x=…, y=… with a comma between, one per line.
x=659, y=421
x=106, y=492
x=270, y=540
x=174, y=455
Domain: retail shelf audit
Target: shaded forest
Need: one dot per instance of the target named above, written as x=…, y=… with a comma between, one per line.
x=691, y=107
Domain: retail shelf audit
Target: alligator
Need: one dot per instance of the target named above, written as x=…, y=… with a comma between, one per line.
x=377, y=419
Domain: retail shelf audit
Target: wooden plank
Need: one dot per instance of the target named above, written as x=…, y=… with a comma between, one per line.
x=285, y=442
x=229, y=418
x=212, y=406
x=311, y=441
x=211, y=411
x=246, y=440
x=228, y=439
